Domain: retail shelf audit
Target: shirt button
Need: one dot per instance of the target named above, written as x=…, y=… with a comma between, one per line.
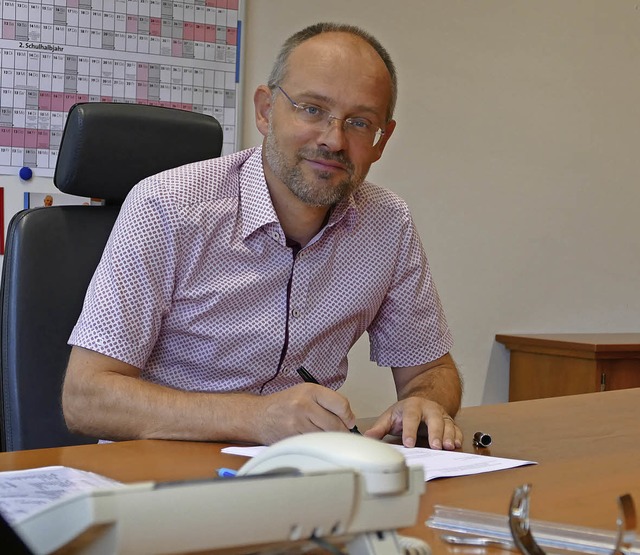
x=275, y=235
x=295, y=312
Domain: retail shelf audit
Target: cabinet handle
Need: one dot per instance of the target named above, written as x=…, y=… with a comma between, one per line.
x=603, y=381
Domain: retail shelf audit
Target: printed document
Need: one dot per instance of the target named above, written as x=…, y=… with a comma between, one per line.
x=436, y=464
x=25, y=492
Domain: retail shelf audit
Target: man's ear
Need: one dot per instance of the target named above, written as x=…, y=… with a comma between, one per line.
x=263, y=105
x=388, y=131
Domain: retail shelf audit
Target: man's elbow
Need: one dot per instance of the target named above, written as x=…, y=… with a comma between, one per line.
x=74, y=409
x=71, y=415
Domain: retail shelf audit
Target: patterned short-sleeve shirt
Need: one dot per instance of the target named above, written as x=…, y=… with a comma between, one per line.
x=198, y=288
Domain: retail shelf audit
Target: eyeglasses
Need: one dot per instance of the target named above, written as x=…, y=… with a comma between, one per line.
x=359, y=130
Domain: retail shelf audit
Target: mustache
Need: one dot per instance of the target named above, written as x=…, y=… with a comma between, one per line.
x=339, y=157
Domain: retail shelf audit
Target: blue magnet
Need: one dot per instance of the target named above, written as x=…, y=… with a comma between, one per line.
x=26, y=173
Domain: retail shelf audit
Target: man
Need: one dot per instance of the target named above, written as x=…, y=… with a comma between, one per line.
x=222, y=278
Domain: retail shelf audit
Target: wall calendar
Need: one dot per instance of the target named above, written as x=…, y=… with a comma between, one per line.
x=56, y=53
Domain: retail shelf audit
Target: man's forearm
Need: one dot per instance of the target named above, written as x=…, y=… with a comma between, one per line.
x=111, y=405
x=134, y=409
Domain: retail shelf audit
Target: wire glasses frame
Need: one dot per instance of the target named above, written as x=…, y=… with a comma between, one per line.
x=358, y=129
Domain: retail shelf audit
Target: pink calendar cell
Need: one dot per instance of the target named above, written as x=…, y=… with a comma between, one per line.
x=142, y=91
x=188, y=31
x=9, y=30
x=155, y=26
x=31, y=138
x=232, y=5
x=83, y=97
x=210, y=33
x=176, y=47
x=187, y=107
x=199, y=32
x=43, y=138
x=5, y=136
x=106, y=99
x=132, y=24
x=142, y=71
x=17, y=137
x=232, y=36
x=211, y=3
x=69, y=100
x=57, y=102
x=72, y=3
x=44, y=100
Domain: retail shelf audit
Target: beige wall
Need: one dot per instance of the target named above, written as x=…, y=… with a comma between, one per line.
x=517, y=149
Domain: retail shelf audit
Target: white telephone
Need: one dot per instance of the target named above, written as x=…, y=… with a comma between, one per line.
x=325, y=485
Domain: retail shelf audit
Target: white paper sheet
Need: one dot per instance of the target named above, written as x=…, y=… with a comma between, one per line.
x=25, y=492
x=436, y=464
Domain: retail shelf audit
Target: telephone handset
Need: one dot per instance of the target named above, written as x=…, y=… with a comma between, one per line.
x=383, y=468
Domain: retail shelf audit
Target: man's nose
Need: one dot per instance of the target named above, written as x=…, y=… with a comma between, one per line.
x=334, y=135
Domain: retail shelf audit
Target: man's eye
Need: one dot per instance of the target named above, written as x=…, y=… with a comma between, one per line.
x=361, y=124
x=310, y=110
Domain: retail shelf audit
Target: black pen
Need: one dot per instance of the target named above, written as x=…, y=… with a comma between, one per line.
x=304, y=374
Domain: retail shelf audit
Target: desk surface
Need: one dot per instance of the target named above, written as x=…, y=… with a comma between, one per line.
x=587, y=447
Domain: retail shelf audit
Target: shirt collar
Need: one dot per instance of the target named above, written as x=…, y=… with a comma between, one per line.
x=345, y=211
x=256, y=208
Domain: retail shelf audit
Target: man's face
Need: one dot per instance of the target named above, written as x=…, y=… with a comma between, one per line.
x=323, y=164
x=317, y=186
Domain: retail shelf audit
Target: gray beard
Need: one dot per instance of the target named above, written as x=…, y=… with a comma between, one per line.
x=310, y=193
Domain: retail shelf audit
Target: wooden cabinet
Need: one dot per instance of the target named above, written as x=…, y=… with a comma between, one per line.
x=551, y=365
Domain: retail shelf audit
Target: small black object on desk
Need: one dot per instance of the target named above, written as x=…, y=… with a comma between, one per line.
x=480, y=439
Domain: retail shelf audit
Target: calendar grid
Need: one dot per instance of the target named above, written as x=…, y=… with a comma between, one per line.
x=56, y=53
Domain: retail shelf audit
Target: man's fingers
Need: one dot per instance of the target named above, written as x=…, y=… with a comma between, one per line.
x=411, y=419
x=406, y=417
x=334, y=406
x=444, y=433
x=381, y=427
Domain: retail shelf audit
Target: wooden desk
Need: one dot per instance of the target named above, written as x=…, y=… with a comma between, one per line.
x=552, y=365
x=587, y=447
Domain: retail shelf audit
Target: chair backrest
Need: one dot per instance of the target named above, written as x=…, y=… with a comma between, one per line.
x=52, y=252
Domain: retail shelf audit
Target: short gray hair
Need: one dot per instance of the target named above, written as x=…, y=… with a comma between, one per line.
x=279, y=70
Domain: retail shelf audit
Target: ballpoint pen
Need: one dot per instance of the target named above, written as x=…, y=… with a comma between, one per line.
x=304, y=374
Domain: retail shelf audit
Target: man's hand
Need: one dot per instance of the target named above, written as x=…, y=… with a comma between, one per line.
x=300, y=409
x=428, y=396
x=409, y=417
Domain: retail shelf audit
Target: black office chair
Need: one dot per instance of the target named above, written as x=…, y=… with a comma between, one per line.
x=52, y=252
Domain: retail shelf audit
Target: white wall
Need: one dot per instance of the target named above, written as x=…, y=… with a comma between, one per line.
x=517, y=149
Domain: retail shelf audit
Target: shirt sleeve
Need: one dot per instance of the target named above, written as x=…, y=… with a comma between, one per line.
x=132, y=286
x=410, y=327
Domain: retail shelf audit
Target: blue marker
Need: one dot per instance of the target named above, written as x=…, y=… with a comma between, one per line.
x=226, y=473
